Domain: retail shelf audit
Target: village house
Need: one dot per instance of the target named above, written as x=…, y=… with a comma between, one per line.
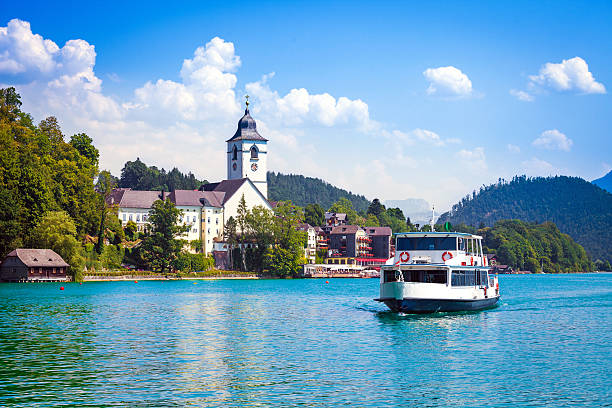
x=310, y=250
x=22, y=265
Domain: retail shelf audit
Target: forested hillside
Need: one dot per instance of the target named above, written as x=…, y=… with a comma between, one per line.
x=138, y=176
x=532, y=247
x=307, y=190
x=577, y=207
x=604, y=182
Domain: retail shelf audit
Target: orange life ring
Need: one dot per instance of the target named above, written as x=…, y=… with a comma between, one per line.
x=404, y=257
x=445, y=255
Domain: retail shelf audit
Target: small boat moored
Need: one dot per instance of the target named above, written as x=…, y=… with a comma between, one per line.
x=437, y=272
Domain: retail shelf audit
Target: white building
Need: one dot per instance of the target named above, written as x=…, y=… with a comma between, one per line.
x=206, y=210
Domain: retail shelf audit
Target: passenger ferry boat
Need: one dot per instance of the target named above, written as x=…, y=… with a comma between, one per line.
x=437, y=272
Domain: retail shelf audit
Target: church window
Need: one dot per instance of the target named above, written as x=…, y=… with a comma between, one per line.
x=254, y=153
x=235, y=154
x=124, y=217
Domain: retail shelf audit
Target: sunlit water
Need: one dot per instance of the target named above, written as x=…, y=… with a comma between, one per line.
x=302, y=343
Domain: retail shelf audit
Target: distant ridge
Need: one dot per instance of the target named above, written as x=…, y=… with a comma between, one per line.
x=308, y=190
x=579, y=208
x=604, y=182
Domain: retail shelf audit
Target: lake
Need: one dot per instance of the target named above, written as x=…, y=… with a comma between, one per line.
x=302, y=343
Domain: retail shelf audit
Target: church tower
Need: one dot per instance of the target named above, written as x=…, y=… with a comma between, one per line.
x=246, y=153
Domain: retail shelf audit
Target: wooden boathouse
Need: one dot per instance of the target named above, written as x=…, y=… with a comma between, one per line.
x=33, y=265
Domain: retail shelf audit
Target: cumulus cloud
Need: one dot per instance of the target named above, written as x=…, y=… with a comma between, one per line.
x=553, y=140
x=571, y=75
x=299, y=107
x=522, y=95
x=447, y=81
x=185, y=122
x=474, y=159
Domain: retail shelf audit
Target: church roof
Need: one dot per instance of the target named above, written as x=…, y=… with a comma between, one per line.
x=247, y=129
x=197, y=198
x=229, y=187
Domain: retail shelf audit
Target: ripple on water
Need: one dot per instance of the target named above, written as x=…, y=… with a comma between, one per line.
x=302, y=343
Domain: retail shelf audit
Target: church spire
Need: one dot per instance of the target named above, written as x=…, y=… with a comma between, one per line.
x=246, y=111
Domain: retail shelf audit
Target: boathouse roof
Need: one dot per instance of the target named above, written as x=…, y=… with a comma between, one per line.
x=38, y=257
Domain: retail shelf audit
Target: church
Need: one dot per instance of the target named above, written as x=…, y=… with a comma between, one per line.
x=206, y=210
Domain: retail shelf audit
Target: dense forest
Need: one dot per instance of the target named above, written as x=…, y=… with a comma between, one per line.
x=41, y=173
x=307, y=190
x=138, y=176
x=577, y=207
x=532, y=247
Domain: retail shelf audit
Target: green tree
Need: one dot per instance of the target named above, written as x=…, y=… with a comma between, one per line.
x=314, y=215
x=372, y=221
x=130, y=230
x=84, y=145
x=285, y=257
x=57, y=231
x=161, y=243
x=376, y=208
x=346, y=207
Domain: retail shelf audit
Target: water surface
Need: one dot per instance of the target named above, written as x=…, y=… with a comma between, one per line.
x=302, y=343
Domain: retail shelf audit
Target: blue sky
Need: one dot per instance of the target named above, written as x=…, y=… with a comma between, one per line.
x=405, y=128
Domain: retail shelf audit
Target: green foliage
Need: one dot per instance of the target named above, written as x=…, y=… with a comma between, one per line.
x=57, y=231
x=186, y=262
x=138, y=176
x=161, y=245
x=314, y=215
x=372, y=221
x=378, y=215
x=307, y=190
x=40, y=172
x=579, y=208
x=345, y=206
x=131, y=230
x=112, y=256
x=84, y=145
x=534, y=247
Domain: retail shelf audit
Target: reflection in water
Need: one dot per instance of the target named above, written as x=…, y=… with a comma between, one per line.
x=301, y=343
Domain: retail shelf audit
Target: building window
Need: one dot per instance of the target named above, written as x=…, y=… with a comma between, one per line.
x=217, y=221
x=194, y=218
x=130, y=217
x=209, y=230
x=209, y=220
x=254, y=152
x=235, y=153
x=138, y=217
x=124, y=217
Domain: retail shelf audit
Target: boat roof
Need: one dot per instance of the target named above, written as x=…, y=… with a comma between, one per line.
x=436, y=234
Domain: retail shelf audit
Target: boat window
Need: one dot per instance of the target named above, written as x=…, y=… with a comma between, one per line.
x=426, y=244
x=425, y=276
x=463, y=277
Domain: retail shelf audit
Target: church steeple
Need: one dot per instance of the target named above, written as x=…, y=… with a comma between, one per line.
x=247, y=153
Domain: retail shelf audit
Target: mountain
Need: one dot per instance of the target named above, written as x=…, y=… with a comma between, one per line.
x=579, y=208
x=604, y=182
x=307, y=190
x=417, y=209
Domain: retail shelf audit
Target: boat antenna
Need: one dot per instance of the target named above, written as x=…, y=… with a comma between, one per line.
x=433, y=215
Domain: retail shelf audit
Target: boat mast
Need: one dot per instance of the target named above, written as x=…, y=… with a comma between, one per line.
x=431, y=223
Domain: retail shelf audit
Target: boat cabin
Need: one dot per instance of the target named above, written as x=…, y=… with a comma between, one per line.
x=447, y=248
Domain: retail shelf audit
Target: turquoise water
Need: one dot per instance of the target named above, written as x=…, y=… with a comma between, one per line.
x=302, y=343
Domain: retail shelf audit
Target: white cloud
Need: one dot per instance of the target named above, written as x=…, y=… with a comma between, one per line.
x=522, y=95
x=570, y=75
x=513, y=148
x=474, y=159
x=447, y=81
x=185, y=122
x=298, y=107
x=553, y=140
